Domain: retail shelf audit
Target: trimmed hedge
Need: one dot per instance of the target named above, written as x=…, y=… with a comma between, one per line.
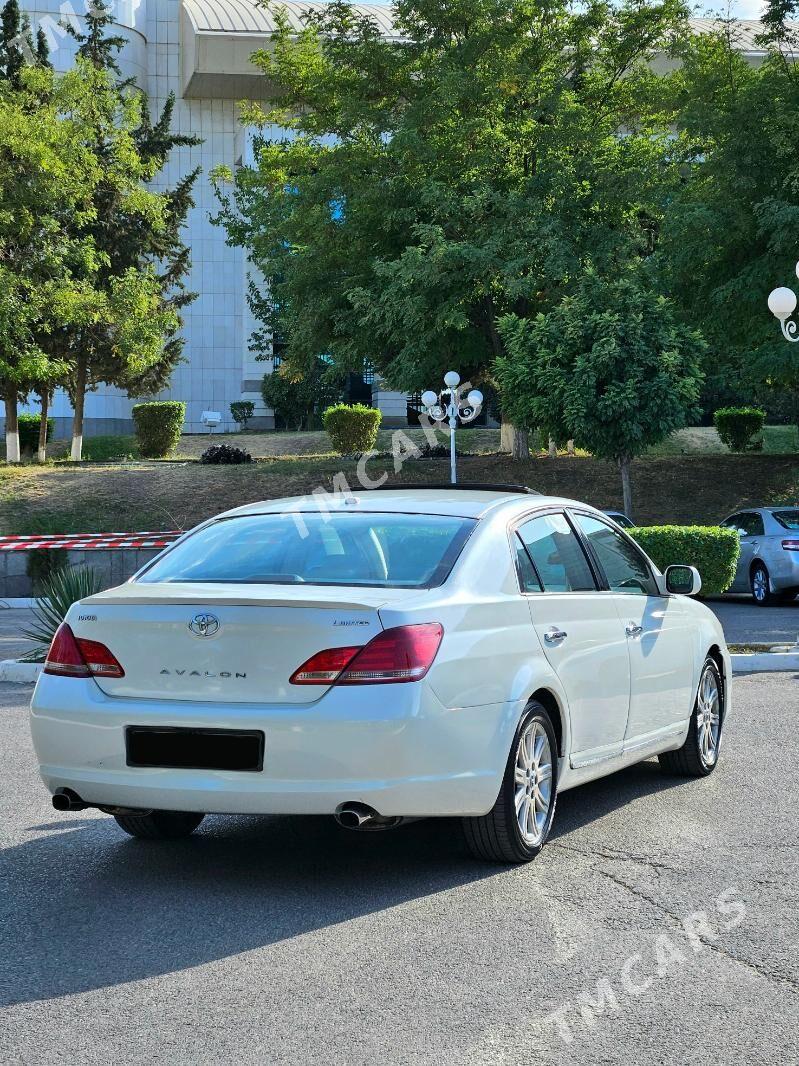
x=740, y=428
x=713, y=550
x=242, y=411
x=352, y=427
x=158, y=425
x=29, y=431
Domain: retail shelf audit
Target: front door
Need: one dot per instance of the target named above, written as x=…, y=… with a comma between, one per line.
x=654, y=626
x=578, y=628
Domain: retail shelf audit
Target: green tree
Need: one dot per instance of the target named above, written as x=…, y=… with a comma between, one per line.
x=294, y=399
x=466, y=168
x=611, y=366
x=131, y=337
x=47, y=178
x=731, y=230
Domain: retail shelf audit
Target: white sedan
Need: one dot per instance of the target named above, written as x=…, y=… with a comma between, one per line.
x=400, y=653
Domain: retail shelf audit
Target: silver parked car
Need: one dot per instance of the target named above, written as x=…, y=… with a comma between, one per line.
x=768, y=565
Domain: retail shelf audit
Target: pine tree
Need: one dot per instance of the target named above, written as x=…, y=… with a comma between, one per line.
x=133, y=242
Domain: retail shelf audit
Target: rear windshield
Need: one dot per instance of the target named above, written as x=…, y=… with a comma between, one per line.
x=381, y=550
x=789, y=519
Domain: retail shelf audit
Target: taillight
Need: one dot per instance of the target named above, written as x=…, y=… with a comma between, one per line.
x=324, y=667
x=791, y=545
x=77, y=657
x=404, y=653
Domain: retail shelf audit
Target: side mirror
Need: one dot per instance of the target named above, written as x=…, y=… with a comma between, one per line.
x=683, y=580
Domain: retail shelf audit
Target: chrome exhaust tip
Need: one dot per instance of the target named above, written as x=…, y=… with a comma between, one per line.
x=64, y=799
x=362, y=817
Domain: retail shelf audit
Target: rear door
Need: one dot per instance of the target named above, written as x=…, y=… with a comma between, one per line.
x=579, y=630
x=655, y=627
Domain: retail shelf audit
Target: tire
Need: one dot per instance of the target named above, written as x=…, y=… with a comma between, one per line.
x=760, y=585
x=159, y=825
x=699, y=755
x=497, y=836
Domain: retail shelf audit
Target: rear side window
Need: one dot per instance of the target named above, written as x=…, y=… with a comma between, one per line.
x=788, y=519
x=556, y=554
x=380, y=550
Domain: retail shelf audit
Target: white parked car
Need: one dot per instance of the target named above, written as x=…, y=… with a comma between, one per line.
x=407, y=652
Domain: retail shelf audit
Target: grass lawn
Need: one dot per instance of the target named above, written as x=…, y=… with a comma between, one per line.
x=96, y=497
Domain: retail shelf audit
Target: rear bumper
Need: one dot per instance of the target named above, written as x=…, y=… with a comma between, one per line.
x=783, y=568
x=394, y=747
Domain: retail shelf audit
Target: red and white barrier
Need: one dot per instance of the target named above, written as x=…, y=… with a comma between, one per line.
x=90, y=541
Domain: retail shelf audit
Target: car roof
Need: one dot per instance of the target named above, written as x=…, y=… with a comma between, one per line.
x=462, y=502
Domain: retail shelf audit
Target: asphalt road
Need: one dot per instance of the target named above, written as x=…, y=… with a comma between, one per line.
x=744, y=621
x=287, y=940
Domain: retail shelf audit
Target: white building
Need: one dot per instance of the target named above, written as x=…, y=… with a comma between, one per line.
x=200, y=50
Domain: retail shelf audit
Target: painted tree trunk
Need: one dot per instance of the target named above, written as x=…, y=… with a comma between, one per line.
x=506, y=435
x=77, y=420
x=12, y=429
x=553, y=448
x=41, y=452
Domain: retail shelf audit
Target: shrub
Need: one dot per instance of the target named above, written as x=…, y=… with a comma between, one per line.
x=223, y=454
x=740, y=428
x=242, y=411
x=59, y=591
x=158, y=426
x=352, y=427
x=42, y=563
x=711, y=549
x=29, y=431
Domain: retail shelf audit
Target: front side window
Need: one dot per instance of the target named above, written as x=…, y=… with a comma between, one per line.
x=556, y=554
x=381, y=550
x=747, y=524
x=624, y=565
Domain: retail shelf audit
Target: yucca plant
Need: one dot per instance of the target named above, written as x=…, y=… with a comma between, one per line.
x=58, y=592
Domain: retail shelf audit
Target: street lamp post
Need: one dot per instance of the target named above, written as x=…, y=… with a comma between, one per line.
x=782, y=304
x=451, y=406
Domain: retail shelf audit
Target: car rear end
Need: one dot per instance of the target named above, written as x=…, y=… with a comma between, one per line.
x=781, y=548
x=242, y=674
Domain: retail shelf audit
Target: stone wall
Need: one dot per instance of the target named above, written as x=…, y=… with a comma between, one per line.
x=114, y=567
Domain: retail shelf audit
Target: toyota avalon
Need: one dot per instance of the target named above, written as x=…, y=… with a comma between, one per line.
x=461, y=652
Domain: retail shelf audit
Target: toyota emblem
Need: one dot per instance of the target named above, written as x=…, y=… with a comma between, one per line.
x=204, y=625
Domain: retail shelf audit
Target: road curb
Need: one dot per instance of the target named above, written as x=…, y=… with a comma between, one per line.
x=19, y=673
x=764, y=662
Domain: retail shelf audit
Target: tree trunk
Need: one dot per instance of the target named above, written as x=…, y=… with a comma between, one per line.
x=77, y=419
x=41, y=454
x=12, y=428
x=570, y=447
x=553, y=448
x=521, y=444
x=625, y=463
x=506, y=435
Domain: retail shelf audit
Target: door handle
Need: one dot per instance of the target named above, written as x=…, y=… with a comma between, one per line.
x=553, y=635
x=632, y=629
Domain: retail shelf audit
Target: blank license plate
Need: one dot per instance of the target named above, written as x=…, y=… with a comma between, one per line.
x=195, y=749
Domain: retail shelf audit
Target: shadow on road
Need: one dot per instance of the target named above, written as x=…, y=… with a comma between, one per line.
x=85, y=907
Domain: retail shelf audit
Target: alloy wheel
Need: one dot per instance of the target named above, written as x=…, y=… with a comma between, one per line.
x=708, y=717
x=760, y=589
x=533, y=778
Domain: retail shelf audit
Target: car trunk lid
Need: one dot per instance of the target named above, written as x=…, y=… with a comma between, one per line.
x=223, y=644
